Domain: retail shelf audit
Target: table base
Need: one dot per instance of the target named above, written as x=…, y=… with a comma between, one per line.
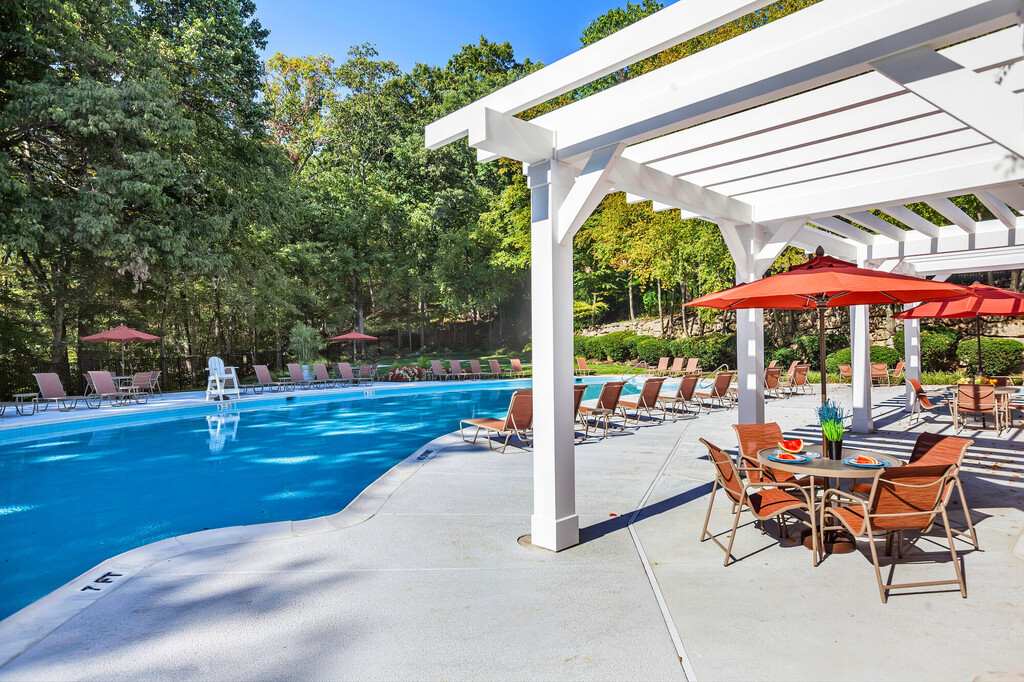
x=834, y=541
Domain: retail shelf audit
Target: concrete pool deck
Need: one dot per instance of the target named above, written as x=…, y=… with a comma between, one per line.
x=430, y=582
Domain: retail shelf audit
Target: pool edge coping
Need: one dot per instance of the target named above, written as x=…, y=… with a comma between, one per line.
x=30, y=625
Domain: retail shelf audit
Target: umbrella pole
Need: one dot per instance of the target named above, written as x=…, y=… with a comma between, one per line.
x=821, y=351
x=977, y=319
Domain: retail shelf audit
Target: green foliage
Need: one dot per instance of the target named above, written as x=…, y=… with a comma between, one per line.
x=618, y=346
x=783, y=357
x=998, y=356
x=832, y=417
x=938, y=348
x=587, y=347
x=712, y=350
x=890, y=356
x=651, y=302
x=808, y=343
x=586, y=314
x=651, y=349
x=304, y=343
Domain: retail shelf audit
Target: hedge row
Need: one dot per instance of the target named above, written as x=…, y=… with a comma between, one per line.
x=938, y=348
x=889, y=356
x=998, y=356
x=711, y=350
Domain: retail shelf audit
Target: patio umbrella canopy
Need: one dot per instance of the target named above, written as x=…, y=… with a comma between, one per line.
x=984, y=300
x=122, y=334
x=354, y=336
x=826, y=282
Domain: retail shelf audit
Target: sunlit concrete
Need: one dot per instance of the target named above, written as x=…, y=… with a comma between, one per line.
x=434, y=584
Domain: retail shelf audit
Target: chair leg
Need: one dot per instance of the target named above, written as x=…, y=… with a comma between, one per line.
x=732, y=538
x=952, y=552
x=707, y=516
x=878, y=571
x=971, y=533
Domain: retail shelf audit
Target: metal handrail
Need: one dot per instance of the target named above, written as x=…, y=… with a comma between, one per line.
x=642, y=365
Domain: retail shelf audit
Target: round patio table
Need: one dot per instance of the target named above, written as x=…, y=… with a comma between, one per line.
x=824, y=468
x=1000, y=390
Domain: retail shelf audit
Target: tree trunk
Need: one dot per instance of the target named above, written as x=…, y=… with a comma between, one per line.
x=1015, y=280
x=661, y=314
x=217, y=331
x=277, y=341
x=632, y=315
x=163, y=337
x=682, y=308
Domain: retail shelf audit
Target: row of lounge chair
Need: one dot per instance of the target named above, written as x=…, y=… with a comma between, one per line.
x=343, y=375
x=455, y=370
x=100, y=387
x=518, y=420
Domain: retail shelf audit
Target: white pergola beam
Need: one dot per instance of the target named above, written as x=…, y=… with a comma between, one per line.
x=876, y=224
x=953, y=214
x=1011, y=195
x=813, y=47
x=649, y=36
x=587, y=191
x=912, y=220
x=844, y=229
x=1000, y=210
x=985, y=260
x=633, y=178
x=961, y=172
x=989, y=108
x=511, y=137
x=780, y=238
x=990, y=234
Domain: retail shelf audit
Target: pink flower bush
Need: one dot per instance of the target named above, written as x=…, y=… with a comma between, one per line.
x=406, y=374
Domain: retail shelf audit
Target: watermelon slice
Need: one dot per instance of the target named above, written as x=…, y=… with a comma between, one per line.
x=785, y=456
x=795, y=445
x=866, y=460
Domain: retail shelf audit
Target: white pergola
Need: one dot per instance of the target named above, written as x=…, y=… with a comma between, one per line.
x=787, y=135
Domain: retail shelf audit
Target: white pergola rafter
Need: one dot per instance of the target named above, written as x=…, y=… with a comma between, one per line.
x=792, y=134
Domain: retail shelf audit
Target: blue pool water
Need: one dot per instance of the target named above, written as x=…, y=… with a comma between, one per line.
x=71, y=501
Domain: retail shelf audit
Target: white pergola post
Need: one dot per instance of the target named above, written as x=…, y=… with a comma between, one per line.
x=911, y=355
x=554, y=524
x=860, y=350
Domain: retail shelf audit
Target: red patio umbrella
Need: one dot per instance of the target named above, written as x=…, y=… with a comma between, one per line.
x=826, y=282
x=354, y=336
x=120, y=333
x=985, y=300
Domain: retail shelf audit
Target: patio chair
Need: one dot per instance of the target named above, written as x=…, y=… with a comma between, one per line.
x=692, y=367
x=578, y=391
x=935, y=449
x=344, y=371
x=647, y=400
x=901, y=499
x=115, y=395
x=798, y=382
x=752, y=438
x=437, y=371
x=264, y=380
x=472, y=373
x=719, y=391
x=140, y=382
x=772, y=384
x=457, y=371
x=683, y=397
x=845, y=373
x=880, y=372
x=788, y=376
x=496, y=369
x=897, y=373
x=218, y=380
x=517, y=422
x=368, y=374
x=677, y=367
x=154, y=383
x=922, y=401
x=771, y=365
x=581, y=367
x=52, y=391
x=474, y=366
x=606, y=408
x=978, y=401
x=323, y=378
x=765, y=499
x=295, y=374
x=662, y=368
x=517, y=368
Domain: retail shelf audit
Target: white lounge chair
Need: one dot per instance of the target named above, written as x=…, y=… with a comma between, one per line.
x=222, y=381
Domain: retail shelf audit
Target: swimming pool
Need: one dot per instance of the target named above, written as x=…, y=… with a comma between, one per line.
x=71, y=501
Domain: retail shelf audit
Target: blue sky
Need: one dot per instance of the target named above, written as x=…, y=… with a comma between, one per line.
x=430, y=31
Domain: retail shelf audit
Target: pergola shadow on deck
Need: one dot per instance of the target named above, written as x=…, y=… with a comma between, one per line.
x=788, y=135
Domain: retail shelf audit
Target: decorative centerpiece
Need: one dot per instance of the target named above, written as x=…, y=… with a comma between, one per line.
x=831, y=417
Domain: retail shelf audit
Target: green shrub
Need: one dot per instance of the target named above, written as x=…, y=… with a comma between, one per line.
x=998, y=356
x=889, y=356
x=783, y=357
x=618, y=346
x=650, y=300
x=587, y=347
x=631, y=344
x=711, y=350
x=652, y=349
x=808, y=343
x=938, y=349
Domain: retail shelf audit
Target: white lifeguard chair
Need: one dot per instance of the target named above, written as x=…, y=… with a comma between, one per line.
x=222, y=381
